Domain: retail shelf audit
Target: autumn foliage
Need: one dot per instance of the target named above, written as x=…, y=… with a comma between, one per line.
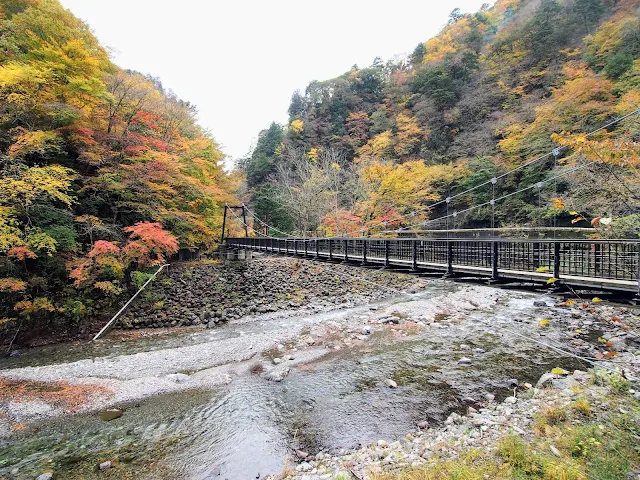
x=102, y=171
x=492, y=91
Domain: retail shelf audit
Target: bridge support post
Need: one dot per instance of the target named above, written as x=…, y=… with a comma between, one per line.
x=556, y=259
x=494, y=261
x=364, y=253
x=295, y=248
x=557, y=286
x=387, y=251
x=346, y=251
x=306, y=248
x=414, y=256
x=317, y=249
x=449, y=272
x=330, y=249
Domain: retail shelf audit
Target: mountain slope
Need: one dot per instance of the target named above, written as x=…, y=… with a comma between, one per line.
x=484, y=95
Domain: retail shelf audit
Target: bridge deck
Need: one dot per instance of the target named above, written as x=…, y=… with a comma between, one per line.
x=599, y=264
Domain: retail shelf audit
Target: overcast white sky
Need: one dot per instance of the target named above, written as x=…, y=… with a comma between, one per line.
x=240, y=61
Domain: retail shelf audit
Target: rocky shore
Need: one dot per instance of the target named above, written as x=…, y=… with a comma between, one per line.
x=211, y=293
x=562, y=423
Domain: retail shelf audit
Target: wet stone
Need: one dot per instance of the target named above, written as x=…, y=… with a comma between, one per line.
x=110, y=414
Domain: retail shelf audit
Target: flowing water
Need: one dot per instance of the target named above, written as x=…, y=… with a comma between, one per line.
x=246, y=429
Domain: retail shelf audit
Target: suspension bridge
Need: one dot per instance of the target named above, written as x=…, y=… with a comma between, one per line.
x=587, y=264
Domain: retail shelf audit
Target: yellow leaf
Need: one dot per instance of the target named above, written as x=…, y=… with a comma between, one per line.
x=602, y=340
x=542, y=269
x=573, y=212
x=596, y=300
x=559, y=371
x=543, y=323
x=551, y=281
x=580, y=332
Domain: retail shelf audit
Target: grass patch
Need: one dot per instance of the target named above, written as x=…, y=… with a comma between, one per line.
x=582, y=406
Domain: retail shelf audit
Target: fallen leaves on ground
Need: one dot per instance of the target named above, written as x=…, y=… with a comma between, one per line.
x=70, y=396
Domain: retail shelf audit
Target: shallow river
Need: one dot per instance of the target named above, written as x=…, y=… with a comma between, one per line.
x=247, y=429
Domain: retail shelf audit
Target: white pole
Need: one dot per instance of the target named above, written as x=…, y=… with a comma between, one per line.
x=115, y=317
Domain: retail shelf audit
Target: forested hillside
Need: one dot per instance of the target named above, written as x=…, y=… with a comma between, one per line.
x=492, y=91
x=104, y=173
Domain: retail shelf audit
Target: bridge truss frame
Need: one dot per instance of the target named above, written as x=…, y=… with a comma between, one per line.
x=609, y=265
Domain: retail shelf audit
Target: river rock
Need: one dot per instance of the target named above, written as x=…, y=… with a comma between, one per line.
x=45, y=476
x=390, y=383
x=110, y=414
x=366, y=330
x=546, y=379
x=277, y=374
x=539, y=303
x=178, y=377
x=464, y=361
x=489, y=397
x=105, y=465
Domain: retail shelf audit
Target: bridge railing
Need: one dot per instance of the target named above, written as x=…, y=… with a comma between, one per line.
x=611, y=260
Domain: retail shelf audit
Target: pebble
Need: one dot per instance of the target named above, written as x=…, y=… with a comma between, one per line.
x=390, y=383
x=464, y=361
x=105, y=465
x=45, y=476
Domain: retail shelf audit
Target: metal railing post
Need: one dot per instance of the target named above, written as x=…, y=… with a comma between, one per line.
x=364, y=252
x=346, y=250
x=556, y=259
x=317, y=249
x=414, y=255
x=494, y=260
x=449, y=258
x=330, y=249
x=387, y=251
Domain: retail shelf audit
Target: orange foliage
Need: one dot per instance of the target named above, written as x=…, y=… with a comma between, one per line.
x=69, y=396
x=149, y=244
x=21, y=253
x=12, y=285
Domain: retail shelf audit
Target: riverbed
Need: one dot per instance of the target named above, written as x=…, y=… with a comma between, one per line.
x=239, y=400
